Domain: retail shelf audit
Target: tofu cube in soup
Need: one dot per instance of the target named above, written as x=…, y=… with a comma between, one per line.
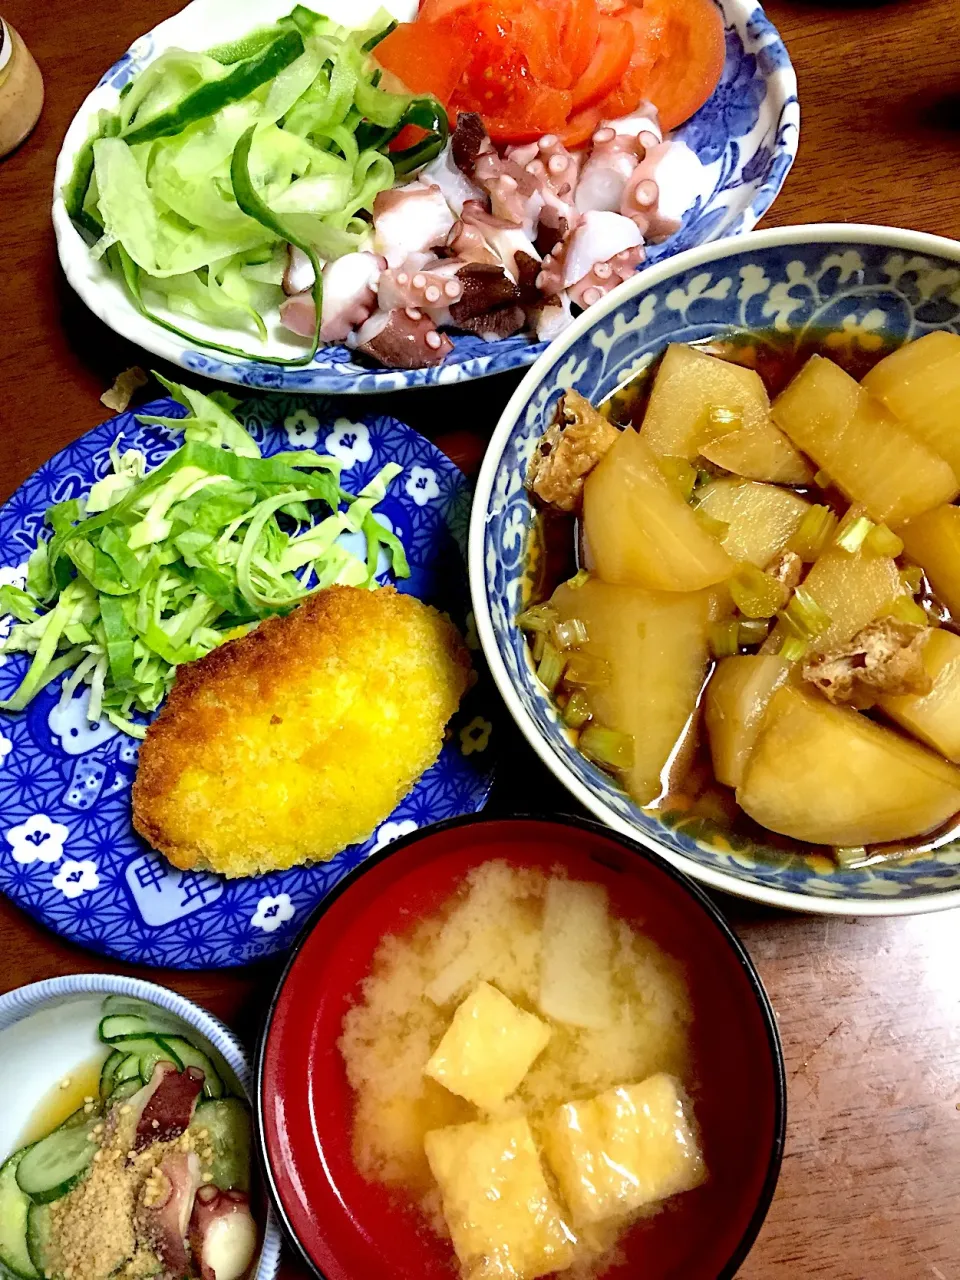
x=736, y=701
x=651, y=648
x=575, y=960
x=694, y=396
x=639, y=530
x=933, y=717
x=920, y=383
x=759, y=453
x=628, y=1147
x=933, y=541
x=488, y=1048
x=829, y=775
x=868, y=452
x=502, y=1216
x=760, y=518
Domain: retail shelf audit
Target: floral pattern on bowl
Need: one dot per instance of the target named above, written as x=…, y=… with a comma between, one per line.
x=746, y=134
x=865, y=285
x=68, y=853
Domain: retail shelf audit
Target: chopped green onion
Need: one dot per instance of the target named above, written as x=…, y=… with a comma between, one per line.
x=912, y=578
x=537, y=645
x=793, y=649
x=752, y=631
x=882, y=541
x=806, y=615
x=607, y=747
x=577, y=711
x=850, y=856
x=681, y=474
x=539, y=617
x=569, y=634
x=813, y=533
x=704, y=477
x=716, y=528
x=579, y=579
x=755, y=593
x=906, y=609
x=550, y=667
x=585, y=669
x=852, y=534
x=724, y=638
x=823, y=479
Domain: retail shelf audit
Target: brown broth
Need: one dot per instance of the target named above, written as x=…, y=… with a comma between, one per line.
x=690, y=793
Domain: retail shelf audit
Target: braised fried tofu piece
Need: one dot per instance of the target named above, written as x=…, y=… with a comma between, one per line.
x=886, y=657
x=568, y=451
x=299, y=738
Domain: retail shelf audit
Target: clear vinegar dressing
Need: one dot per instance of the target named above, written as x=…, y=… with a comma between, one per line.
x=688, y=791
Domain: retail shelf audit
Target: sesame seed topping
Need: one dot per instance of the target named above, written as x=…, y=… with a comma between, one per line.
x=66, y=1082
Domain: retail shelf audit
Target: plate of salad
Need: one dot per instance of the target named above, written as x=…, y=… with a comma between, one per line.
x=152, y=542
x=361, y=199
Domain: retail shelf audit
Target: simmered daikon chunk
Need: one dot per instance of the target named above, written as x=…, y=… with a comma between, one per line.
x=920, y=383
x=736, y=701
x=639, y=530
x=933, y=540
x=694, y=395
x=868, y=453
x=654, y=649
x=760, y=518
x=488, y=1048
x=575, y=962
x=934, y=717
x=852, y=589
x=623, y=1149
x=503, y=1219
x=831, y=776
x=759, y=453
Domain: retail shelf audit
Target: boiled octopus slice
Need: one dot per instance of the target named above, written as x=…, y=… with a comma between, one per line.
x=222, y=1234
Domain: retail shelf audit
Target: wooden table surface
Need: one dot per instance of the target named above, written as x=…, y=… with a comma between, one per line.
x=869, y=1010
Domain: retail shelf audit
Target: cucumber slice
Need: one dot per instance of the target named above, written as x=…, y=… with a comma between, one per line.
x=126, y=1090
x=190, y=1056
x=149, y=1049
x=39, y=1239
x=14, y=1207
x=155, y=1018
x=227, y=1122
x=106, y=1074
x=118, y=1025
x=80, y=1117
x=129, y=1069
x=55, y=1164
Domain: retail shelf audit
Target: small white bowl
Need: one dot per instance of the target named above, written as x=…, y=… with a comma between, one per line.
x=49, y=1028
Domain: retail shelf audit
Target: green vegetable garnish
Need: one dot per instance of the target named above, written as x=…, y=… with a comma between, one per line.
x=153, y=569
x=213, y=163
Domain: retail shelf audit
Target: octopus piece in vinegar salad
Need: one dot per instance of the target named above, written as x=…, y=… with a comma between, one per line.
x=748, y=612
x=491, y=168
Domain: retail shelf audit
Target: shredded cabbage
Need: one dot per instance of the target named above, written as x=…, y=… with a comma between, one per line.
x=155, y=568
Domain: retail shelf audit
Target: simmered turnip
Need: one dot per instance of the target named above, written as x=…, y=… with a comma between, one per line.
x=759, y=453
x=654, y=645
x=695, y=396
x=831, y=776
x=760, y=518
x=867, y=452
x=639, y=529
x=852, y=590
x=920, y=383
x=933, y=541
x=735, y=703
x=934, y=717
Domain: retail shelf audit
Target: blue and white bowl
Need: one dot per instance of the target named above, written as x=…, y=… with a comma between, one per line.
x=746, y=136
x=862, y=284
x=49, y=1029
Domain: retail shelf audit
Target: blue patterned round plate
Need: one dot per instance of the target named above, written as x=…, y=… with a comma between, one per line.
x=746, y=136
x=860, y=286
x=68, y=852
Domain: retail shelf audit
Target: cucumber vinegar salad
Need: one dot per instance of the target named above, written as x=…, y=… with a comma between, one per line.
x=150, y=1178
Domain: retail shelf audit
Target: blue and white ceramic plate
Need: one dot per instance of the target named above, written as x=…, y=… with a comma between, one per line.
x=860, y=285
x=746, y=136
x=68, y=852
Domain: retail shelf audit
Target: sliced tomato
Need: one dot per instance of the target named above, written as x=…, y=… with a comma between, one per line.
x=690, y=59
x=581, y=31
x=428, y=58
x=610, y=60
x=581, y=127
x=528, y=113
x=408, y=136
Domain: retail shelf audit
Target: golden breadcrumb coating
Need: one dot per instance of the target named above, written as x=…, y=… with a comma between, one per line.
x=299, y=738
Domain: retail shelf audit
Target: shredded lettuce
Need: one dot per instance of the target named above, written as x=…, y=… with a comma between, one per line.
x=155, y=568
x=214, y=162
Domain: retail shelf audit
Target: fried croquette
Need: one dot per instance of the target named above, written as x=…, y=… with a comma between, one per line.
x=299, y=738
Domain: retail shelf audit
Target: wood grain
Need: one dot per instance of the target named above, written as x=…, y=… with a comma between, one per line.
x=869, y=1010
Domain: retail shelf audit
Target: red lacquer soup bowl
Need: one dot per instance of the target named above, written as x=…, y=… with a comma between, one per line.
x=351, y=1229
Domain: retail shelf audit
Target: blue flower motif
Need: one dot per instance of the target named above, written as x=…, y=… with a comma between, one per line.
x=734, y=108
x=756, y=166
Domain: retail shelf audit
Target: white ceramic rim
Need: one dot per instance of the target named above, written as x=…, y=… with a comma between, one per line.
x=23, y=1001
x=814, y=233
